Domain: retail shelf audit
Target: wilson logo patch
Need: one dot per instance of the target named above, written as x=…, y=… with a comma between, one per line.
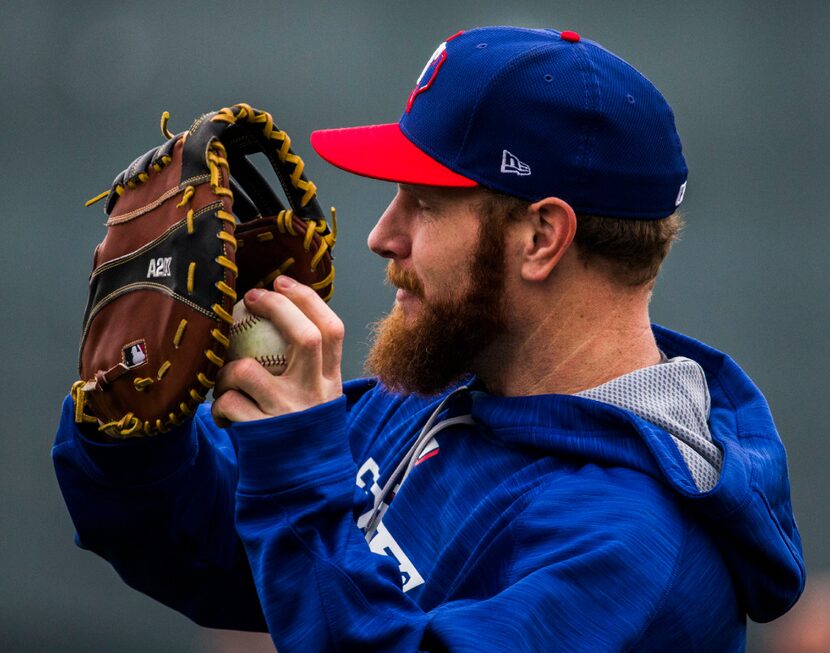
x=159, y=267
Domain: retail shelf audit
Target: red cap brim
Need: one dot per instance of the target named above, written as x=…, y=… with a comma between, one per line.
x=383, y=152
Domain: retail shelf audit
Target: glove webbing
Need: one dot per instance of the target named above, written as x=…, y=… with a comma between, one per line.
x=271, y=132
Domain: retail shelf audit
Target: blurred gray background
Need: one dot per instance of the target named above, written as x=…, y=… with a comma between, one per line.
x=84, y=84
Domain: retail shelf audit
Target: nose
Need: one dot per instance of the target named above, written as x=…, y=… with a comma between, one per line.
x=389, y=237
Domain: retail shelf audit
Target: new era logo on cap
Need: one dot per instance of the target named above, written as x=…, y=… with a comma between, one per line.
x=510, y=164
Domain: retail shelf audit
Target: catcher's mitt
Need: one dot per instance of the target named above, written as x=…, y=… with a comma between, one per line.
x=192, y=225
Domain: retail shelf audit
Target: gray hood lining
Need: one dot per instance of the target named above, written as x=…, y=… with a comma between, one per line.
x=672, y=395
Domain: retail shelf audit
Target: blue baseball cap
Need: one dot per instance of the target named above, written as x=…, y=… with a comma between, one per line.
x=532, y=113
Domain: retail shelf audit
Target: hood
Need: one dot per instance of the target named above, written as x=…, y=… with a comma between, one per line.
x=674, y=396
x=698, y=424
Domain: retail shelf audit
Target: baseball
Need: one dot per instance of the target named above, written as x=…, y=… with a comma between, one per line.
x=255, y=337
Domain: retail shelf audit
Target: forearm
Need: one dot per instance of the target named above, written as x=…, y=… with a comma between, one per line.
x=161, y=512
x=321, y=586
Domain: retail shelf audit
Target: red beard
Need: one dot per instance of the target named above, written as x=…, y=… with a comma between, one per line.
x=440, y=345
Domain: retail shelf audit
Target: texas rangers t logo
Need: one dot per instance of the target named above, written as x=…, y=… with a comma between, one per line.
x=380, y=539
x=430, y=71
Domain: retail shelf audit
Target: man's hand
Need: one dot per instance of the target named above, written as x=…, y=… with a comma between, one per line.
x=245, y=391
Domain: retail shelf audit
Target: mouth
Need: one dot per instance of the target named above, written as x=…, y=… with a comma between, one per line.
x=404, y=296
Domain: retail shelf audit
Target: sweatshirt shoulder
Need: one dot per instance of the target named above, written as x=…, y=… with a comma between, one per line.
x=627, y=506
x=615, y=529
x=613, y=525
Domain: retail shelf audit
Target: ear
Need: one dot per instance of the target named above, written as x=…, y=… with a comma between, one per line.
x=546, y=235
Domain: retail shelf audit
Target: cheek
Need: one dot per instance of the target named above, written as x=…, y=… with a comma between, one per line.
x=443, y=257
x=450, y=279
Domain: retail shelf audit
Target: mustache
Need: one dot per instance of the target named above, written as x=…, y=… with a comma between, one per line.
x=404, y=279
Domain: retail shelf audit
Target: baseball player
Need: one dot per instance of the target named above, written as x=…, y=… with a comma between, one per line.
x=532, y=465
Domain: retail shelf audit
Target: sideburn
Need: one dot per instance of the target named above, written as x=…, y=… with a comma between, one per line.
x=447, y=337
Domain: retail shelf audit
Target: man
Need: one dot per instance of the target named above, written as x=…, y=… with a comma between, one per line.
x=532, y=467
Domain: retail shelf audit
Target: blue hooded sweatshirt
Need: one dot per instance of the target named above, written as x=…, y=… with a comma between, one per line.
x=651, y=513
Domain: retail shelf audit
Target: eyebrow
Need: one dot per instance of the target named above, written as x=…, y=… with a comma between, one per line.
x=432, y=194
x=411, y=188
x=422, y=192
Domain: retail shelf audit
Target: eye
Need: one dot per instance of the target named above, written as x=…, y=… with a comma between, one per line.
x=424, y=207
x=422, y=204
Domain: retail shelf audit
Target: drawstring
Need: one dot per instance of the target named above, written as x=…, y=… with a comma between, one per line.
x=397, y=477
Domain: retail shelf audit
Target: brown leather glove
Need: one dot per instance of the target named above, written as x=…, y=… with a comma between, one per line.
x=192, y=225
